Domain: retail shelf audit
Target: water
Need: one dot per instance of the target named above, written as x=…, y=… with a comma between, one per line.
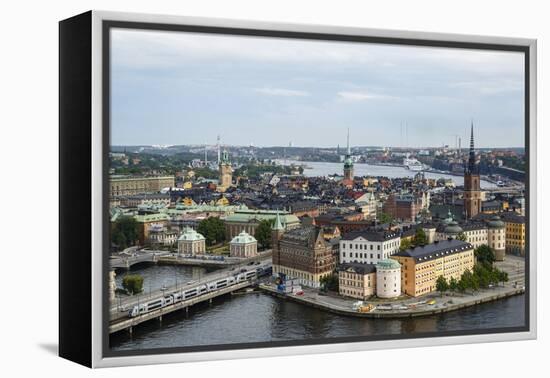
x=157, y=276
x=316, y=169
x=262, y=318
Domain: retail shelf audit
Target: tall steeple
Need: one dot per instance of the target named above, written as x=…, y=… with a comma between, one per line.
x=472, y=190
x=472, y=167
x=348, y=166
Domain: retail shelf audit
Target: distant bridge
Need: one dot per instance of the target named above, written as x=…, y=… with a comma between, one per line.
x=125, y=262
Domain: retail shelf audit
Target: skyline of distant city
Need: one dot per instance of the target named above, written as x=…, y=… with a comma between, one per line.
x=178, y=88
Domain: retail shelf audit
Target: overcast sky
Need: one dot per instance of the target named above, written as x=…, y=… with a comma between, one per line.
x=175, y=88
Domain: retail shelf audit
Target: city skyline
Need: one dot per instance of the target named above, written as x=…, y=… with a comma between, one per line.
x=166, y=86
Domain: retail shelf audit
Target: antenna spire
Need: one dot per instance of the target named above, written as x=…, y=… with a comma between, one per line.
x=349, y=151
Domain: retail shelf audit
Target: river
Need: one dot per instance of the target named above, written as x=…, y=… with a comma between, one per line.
x=260, y=317
x=315, y=169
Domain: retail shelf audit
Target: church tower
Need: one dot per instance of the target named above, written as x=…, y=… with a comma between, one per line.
x=277, y=231
x=348, y=167
x=472, y=192
x=226, y=172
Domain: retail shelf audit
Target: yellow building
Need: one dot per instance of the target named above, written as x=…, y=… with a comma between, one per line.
x=421, y=266
x=127, y=185
x=357, y=280
x=515, y=232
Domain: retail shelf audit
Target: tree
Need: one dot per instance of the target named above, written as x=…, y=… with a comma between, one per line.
x=466, y=280
x=461, y=236
x=483, y=275
x=124, y=232
x=420, y=237
x=212, y=229
x=502, y=276
x=453, y=285
x=385, y=218
x=329, y=282
x=485, y=254
x=263, y=233
x=133, y=283
x=441, y=285
x=405, y=244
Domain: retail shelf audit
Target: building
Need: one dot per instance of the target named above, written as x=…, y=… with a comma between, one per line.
x=388, y=279
x=475, y=232
x=302, y=253
x=243, y=245
x=403, y=207
x=357, y=280
x=515, y=233
x=421, y=266
x=249, y=220
x=226, y=173
x=127, y=186
x=496, y=236
x=145, y=199
x=368, y=205
x=159, y=235
x=368, y=247
x=348, y=168
x=191, y=242
x=472, y=191
x=147, y=221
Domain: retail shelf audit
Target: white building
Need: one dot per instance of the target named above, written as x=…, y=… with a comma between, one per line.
x=368, y=247
x=243, y=245
x=497, y=237
x=368, y=204
x=388, y=279
x=191, y=243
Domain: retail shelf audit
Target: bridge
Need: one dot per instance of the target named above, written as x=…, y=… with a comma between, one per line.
x=127, y=323
x=126, y=261
x=118, y=314
x=122, y=261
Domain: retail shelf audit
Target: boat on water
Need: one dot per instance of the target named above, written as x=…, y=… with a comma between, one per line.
x=413, y=164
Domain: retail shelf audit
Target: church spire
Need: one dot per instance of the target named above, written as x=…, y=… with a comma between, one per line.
x=278, y=226
x=472, y=157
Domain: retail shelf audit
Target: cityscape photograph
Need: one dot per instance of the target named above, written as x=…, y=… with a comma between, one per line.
x=275, y=190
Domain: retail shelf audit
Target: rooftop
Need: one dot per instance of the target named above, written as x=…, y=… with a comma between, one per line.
x=371, y=235
x=435, y=250
x=358, y=268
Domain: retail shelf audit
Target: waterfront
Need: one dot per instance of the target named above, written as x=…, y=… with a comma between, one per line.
x=260, y=317
x=315, y=169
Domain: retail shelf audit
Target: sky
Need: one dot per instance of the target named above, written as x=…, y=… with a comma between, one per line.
x=176, y=88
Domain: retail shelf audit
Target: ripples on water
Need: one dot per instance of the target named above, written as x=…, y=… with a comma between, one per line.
x=263, y=318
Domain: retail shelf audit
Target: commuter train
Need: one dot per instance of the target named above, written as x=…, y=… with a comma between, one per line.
x=191, y=292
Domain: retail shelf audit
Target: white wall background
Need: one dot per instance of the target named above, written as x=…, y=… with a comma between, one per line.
x=28, y=213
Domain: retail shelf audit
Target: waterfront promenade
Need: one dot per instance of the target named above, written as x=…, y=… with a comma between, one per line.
x=418, y=306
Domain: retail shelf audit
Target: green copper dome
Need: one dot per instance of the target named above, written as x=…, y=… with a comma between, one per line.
x=388, y=264
x=190, y=235
x=495, y=222
x=348, y=163
x=453, y=228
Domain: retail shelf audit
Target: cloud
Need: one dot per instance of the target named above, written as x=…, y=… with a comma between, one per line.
x=363, y=96
x=281, y=92
x=490, y=87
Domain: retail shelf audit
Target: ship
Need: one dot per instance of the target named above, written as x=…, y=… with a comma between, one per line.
x=413, y=164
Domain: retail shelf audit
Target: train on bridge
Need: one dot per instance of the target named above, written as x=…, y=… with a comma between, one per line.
x=196, y=291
